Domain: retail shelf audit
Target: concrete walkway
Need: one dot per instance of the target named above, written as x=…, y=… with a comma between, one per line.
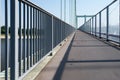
x=88, y=59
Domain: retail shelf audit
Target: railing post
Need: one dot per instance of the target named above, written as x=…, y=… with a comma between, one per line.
x=20, y=40
x=100, y=25
x=76, y=22
x=52, y=35
x=14, y=40
x=61, y=29
x=107, y=29
x=34, y=36
x=0, y=31
x=6, y=41
x=31, y=38
x=95, y=24
x=24, y=39
x=92, y=24
x=38, y=35
x=85, y=19
x=28, y=37
x=119, y=23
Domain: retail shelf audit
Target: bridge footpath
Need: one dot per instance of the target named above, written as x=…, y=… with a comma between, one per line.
x=86, y=58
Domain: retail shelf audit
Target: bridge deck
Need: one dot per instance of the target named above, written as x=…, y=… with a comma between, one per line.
x=86, y=59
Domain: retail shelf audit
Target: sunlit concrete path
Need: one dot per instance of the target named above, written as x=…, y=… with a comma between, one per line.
x=86, y=58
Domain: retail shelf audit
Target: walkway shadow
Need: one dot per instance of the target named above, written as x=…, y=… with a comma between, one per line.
x=60, y=69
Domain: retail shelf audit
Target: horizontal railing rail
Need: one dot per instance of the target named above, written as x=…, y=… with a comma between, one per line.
x=31, y=33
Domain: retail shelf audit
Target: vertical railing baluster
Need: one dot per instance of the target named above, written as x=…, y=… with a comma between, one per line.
x=52, y=35
x=100, y=25
x=20, y=39
x=24, y=39
x=28, y=37
x=34, y=36
x=45, y=34
x=38, y=35
x=92, y=25
x=61, y=31
x=119, y=23
x=88, y=26
x=95, y=24
x=107, y=24
x=35, y=32
x=14, y=40
x=43, y=41
x=0, y=33
x=42, y=51
x=31, y=34
x=6, y=41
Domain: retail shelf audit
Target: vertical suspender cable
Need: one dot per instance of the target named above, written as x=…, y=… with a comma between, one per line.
x=64, y=10
x=61, y=9
x=75, y=16
x=70, y=14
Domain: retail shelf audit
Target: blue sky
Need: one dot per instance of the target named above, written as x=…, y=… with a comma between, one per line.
x=91, y=6
x=84, y=7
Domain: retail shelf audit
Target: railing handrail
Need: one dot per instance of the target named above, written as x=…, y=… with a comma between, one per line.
x=107, y=6
x=39, y=8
